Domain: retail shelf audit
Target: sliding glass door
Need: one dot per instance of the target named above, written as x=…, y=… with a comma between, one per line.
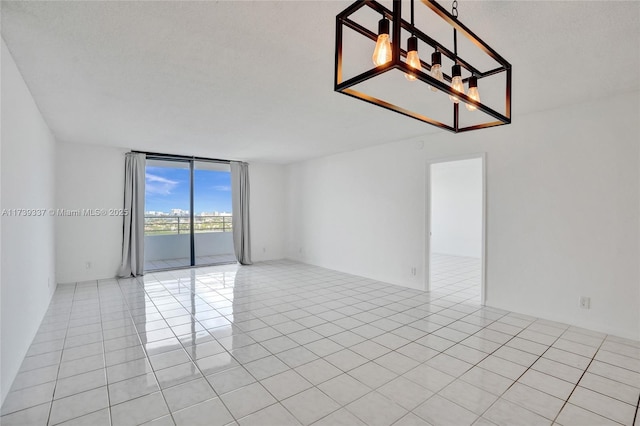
x=167, y=241
x=212, y=207
x=187, y=213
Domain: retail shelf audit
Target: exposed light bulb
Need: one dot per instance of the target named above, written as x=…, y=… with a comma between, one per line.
x=436, y=68
x=382, y=52
x=456, y=82
x=413, y=60
x=473, y=92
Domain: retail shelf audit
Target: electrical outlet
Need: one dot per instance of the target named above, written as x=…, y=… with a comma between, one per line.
x=264, y=249
x=413, y=271
x=87, y=265
x=585, y=302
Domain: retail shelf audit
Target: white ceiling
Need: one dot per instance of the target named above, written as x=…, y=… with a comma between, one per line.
x=253, y=80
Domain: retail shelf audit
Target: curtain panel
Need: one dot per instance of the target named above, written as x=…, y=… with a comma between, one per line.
x=133, y=227
x=240, y=205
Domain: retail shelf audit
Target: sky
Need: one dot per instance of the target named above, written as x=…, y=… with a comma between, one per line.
x=167, y=188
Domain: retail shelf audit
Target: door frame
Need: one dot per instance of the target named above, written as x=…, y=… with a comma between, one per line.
x=483, y=261
x=192, y=167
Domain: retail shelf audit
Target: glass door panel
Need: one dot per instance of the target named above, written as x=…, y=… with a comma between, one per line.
x=212, y=213
x=167, y=220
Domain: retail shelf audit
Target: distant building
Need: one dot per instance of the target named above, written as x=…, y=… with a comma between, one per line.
x=181, y=212
x=216, y=213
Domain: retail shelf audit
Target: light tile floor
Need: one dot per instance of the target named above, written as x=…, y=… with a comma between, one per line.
x=283, y=343
x=456, y=274
x=160, y=264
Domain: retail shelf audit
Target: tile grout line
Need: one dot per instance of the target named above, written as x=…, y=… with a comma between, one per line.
x=106, y=380
x=323, y=337
x=192, y=360
x=432, y=333
x=103, y=368
x=579, y=379
x=136, y=282
x=514, y=381
x=66, y=332
x=529, y=368
x=395, y=351
x=219, y=396
x=193, y=343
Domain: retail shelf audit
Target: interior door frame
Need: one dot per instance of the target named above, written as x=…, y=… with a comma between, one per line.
x=483, y=262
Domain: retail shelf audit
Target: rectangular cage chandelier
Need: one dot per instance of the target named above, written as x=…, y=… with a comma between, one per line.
x=439, y=106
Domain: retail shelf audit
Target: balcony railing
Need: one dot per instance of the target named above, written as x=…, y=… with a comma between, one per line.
x=172, y=225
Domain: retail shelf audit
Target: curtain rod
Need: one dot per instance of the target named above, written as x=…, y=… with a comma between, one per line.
x=181, y=157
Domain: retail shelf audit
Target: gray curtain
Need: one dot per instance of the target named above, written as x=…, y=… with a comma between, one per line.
x=133, y=230
x=240, y=205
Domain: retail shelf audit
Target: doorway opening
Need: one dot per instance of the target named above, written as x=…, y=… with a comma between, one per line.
x=187, y=219
x=456, y=227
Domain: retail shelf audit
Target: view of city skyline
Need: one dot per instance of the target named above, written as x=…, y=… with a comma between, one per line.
x=167, y=191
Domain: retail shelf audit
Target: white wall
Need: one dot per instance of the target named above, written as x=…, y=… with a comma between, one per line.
x=562, y=212
x=456, y=208
x=88, y=177
x=361, y=212
x=27, y=257
x=267, y=211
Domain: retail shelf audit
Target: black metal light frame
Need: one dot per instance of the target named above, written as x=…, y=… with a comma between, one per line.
x=395, y=16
